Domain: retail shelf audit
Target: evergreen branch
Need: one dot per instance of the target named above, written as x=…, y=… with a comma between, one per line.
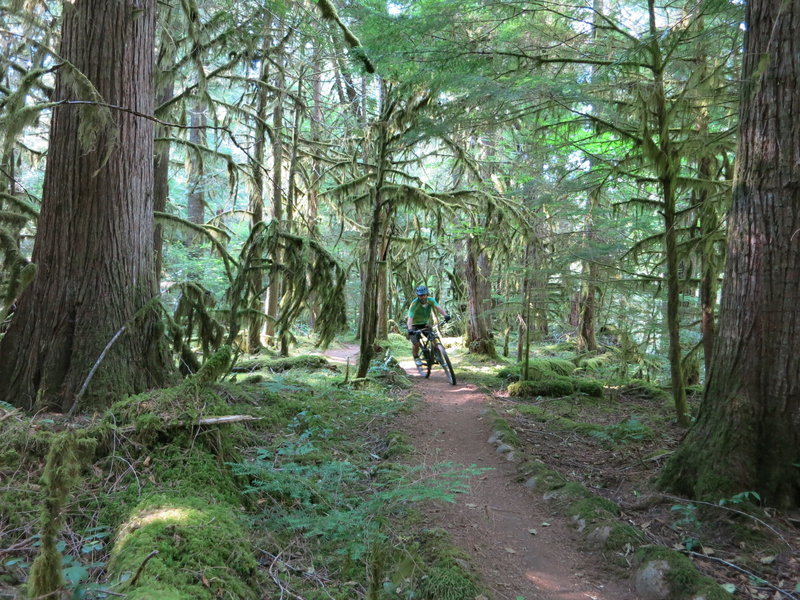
x=158, y=121
x=207, y=231
x=329, y=12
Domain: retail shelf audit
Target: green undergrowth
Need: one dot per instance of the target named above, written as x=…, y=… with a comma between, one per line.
x=280, y=364
x=632, y=430
x=556, y=386
x=297, y=491
x=539, y=368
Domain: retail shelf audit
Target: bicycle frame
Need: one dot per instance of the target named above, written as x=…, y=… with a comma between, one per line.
x=433, y=352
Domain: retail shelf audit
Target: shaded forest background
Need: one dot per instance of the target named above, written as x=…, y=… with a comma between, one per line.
x=553, y=173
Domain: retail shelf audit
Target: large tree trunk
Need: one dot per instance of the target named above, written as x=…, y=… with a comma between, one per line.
x=479, y=325
x=747, y=435
x=94, y=246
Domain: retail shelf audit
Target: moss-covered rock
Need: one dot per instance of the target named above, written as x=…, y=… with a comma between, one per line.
x=590, y=387
x=539, y=476
x=644, y=389
x=674, y=574
x=553, y=387
x=201, y=550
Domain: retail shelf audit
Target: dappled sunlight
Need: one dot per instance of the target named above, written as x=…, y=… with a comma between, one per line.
x=167, y=515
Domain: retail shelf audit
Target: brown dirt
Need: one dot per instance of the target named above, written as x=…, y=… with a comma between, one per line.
x=495, y=521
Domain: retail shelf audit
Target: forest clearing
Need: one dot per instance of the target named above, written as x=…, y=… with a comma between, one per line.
x=556, y=246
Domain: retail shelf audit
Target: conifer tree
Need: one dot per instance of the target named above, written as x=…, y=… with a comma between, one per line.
x=747, y=434
x=90, y=308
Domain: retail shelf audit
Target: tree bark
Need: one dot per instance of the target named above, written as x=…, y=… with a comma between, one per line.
x=275, y=286
x=94, y=246
x=667, y=167
x=747, y=435
x=479, y=327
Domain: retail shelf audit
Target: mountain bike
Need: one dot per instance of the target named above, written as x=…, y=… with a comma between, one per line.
x=433, y=352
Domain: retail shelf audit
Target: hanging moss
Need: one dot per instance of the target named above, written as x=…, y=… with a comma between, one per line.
x=61, y=473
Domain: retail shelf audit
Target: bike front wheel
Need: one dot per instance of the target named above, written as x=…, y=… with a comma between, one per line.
x=428, y=362
x=444, y=360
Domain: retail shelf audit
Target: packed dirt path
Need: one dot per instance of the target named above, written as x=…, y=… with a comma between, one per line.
x=520, y=548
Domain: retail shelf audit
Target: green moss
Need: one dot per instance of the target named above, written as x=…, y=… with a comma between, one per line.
x=684, y=578
x=593, y=508
x=506, y=433
x=570, y=493
x=553, y=387
x=644, y=389
x=279, y=365
x=447, y=581
x=200, y=547
x=397, y=444
x=541, y=477
x=623, y=536
x=590, y=387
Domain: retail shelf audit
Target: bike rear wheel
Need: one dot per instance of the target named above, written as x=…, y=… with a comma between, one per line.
x=444, y=360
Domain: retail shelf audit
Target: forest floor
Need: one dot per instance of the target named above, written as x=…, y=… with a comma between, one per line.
x=525, y=548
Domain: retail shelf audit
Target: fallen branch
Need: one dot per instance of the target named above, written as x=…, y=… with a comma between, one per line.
x=789, y=595
x=141, y=566
x=202, y=421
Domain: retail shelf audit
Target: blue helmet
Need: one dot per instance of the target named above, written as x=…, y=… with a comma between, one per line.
x=423, y=290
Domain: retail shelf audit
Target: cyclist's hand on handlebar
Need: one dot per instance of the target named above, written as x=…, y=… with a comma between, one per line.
x=447, y=318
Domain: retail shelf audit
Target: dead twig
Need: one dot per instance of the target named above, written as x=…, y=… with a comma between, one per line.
x=789, y=595
x=141, y=566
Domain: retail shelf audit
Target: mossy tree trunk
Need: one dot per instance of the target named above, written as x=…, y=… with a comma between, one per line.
x=479, y=324
x=747, y=434
x=165, y=91
x=256, y=200
x=664, y=155
x=381, y=210
x=94, y=246
x=274, y=292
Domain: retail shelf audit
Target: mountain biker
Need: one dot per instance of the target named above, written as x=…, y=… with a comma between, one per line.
x=419, y=316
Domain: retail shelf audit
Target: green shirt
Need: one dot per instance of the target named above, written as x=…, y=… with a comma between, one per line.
x=419, y=313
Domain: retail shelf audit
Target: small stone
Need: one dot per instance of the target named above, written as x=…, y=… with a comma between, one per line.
x=651, y=581
x=503, y=448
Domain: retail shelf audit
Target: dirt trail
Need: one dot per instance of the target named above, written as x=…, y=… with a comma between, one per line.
x=493, y=522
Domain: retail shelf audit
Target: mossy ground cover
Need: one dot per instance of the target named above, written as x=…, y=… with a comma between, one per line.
x=298, y=494
x=613, y=446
